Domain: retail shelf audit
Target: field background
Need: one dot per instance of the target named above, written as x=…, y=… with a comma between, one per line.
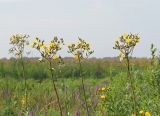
x=108, y=72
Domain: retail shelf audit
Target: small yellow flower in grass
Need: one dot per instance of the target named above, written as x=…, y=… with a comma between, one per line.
x=103, y=97
x=147, y=114
x=23, y=102
x=103, y=88
x=141, y=113
x=75, y=56
x=55, y=57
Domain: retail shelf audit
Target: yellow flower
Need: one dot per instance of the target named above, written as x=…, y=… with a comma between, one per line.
x=77, y=43
x=23, y=102
x=44, y=46
x=40, y=44
x=33, y=45
x=55, y=57
x=124, y=35
x=51, y=44
x=128, y=40
x=75, y=56
x=116, y=41
x=141, y=113
x=102, y=96
x=103, y=88
x=147, y=114
x=34, y=41
x=48, y=50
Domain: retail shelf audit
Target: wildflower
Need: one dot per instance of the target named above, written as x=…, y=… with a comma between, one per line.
x=141, y=113
x=55, y=57
x=40, y=44
x=98, y=88
x=102, y=96
x=124, y=35
x=44, y=46
x=49, y=53
x=128, y=40
x=75, y=56
x=116, y=41
x=126, y=45
x=51, y=44
x=103, y=88
x=80, y=49
x=32, y=45
x=47, y=50
x=23, y=102
x=147, y=114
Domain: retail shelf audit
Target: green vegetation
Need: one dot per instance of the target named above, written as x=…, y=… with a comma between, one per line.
x=56, y=86
x=101, y=72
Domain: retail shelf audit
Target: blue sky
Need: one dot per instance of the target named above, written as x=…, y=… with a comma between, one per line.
x=98, y=21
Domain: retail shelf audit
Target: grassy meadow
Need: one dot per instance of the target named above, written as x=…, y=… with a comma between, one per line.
x=106, y=72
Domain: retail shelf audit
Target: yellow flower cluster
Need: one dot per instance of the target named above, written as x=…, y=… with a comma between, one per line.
x=103, y=97
x=142, y=113
x=18, y=42
x=48, y=51
x=23, y=101
x=80, y=49
x=126, y=44
x=102, y=92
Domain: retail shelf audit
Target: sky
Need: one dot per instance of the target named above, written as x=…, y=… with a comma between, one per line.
x=97, y=21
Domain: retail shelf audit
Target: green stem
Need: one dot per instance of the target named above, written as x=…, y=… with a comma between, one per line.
x=25, y=83
x=55, y=89
x=82, y=81
x=132, y=85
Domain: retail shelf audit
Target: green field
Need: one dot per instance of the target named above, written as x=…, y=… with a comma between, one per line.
x=107, y=72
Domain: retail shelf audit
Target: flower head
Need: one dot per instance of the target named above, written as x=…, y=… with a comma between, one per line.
x=18, y=42
x=147, y=114
x=103, y=88
x=48, y=52
x=126, y=44
x=103, y=97
x=80, y=49
x=141, y=113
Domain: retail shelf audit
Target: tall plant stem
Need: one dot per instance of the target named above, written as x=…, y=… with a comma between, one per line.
x=131, y=83
x=82, y=81
x=55, y=89
x=25, y=83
